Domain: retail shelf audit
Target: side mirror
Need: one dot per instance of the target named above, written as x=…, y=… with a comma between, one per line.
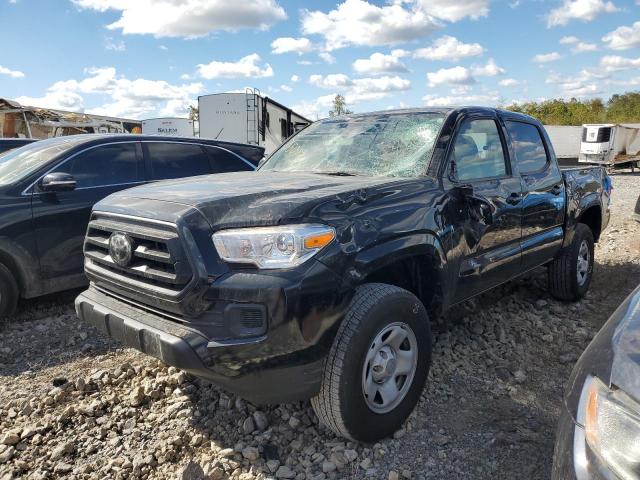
x=262, y=161
x=57, y=182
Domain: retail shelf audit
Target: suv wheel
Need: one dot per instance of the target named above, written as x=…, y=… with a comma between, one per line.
x=8, y=293
x=377, y=366
x=570, y=273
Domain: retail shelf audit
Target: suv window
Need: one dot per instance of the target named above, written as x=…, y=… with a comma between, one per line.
x=104, y=165
x=177, y=160
x=478, y=152
x=223, y=161
x=528, y=146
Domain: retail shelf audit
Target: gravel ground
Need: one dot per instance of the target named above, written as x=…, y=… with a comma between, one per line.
x=75, y=405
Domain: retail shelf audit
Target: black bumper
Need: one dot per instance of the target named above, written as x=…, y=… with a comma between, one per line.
x=292, y=378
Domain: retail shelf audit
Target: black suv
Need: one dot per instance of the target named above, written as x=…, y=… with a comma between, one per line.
x=315, y=276
x=47, y=190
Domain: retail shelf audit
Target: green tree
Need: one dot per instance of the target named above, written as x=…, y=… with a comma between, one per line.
x=624, y=108
x=194, y=114
x=339, y=107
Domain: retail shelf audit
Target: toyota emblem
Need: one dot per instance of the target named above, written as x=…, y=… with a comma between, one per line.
x=120, y=248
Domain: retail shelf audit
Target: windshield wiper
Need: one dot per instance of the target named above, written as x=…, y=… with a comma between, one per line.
x=338, y=174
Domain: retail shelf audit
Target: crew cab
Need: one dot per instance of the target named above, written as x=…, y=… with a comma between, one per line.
x=47, y=190
x=315, y=276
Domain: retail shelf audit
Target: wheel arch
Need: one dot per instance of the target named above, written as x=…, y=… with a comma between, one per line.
x=415, y=263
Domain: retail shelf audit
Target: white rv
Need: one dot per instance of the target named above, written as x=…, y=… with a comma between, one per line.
x=169, y=127
x=610, y=144
x=248, y=118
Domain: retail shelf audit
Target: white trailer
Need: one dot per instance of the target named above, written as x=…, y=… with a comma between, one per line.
x=566, y=142
x=610, y=144
x=248, y=118
x=170, y=127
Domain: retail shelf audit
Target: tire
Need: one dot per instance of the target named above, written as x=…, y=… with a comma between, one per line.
x=565, y=283
x=381, y=313
x=8, y=293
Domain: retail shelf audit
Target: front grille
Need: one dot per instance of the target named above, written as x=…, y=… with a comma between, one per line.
x=158, y=261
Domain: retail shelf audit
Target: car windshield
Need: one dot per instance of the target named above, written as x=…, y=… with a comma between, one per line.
x=386, y=144
x=21, y=162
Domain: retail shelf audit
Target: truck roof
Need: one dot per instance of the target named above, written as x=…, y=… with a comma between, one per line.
x=451, y=110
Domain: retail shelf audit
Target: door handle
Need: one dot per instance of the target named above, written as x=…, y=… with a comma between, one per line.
x=514, y=198
x=557, y=189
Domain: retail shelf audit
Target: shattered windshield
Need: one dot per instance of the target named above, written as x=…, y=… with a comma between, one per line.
x=397, y=145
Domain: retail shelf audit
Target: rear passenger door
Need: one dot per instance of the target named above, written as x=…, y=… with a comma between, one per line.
x=487, y=195
x=543, y=204
x=166, y=160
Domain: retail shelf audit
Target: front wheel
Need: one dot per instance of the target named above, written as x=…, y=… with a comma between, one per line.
x=570, y=273
x=377, y=366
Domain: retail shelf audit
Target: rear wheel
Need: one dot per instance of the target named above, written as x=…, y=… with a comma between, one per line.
x=8, y=293
x=377, y=366
x=570, y=274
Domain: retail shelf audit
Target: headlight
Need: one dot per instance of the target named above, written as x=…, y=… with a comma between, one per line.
x=612, y=428
x=272, y=247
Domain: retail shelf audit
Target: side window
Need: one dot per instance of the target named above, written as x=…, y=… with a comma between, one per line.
x=477, y=151
x=177, y=160
x=104, y=165
x=223, y=161
x=528, y=146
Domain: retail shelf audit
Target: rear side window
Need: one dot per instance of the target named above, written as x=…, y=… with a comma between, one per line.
x=177, y=160
x=478, y=152
x=104, y=165
x=528, y=146
x=223, y=161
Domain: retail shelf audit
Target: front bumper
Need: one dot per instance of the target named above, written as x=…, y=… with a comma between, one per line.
x=188, y=349
x=279, y=362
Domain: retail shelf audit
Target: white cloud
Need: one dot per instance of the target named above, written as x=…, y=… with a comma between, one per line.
x=584, y=47
x=509, y=82
x=623, y=38
x=449, y=48
x=315, y=109
x=488, y=70
x=187, y=18
x=111, y=44
x=569, y=40
x=585, y=10
x=327, y=57
x=127, y=98
x=11, y=73
x=450, y=76
x=286, y=88
x=452, y=10
x=357, y=22
x=288, y=44
x=245, y=67
x=580, y=85
x=333, y=80
x=380, y=63
x=295, y=78
x=361, y=89
x=612, y=63
x=163, y=47
x=546, y=57
x=490, y=99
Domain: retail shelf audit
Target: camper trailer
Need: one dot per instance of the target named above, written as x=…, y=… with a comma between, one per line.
x=21, y=121
x=248, y=118
x=168, y=127
x=610, y=144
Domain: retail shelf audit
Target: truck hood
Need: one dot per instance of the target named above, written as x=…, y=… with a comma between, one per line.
x=258, y=198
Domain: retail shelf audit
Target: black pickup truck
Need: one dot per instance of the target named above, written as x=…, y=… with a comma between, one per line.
x=315, y=276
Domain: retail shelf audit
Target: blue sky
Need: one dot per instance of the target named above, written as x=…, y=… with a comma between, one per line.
x=149, y=58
